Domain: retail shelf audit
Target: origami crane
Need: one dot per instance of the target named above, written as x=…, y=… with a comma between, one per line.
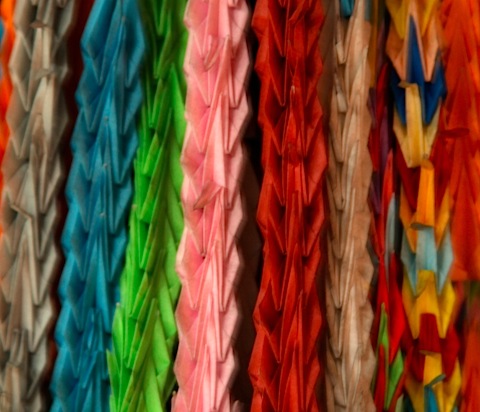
x=432, y=376
x=99, y=191
x=284, y=367
x=7, y=40
x=456, y=152
x=208, y=262
x=32, y=173
x=144, y=329
x=350, y=358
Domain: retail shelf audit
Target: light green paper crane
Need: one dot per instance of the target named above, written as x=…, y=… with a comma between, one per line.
x=144, y=330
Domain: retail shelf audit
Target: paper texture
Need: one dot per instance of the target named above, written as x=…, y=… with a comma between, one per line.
x=32, y=175
x=412, y=19
x=99, y=191
x=144, y=328
x=456, y=160
x=389, y=322
x=285, y=367
x=430, y=342
x=7, y=40
x=456, y=150
x=456, y=163
x=350, y=358
x=208, y=262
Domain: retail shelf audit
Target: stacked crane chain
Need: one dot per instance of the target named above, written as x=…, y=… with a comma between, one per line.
x=456, y=161
x=144, y=330
x=418, y=84
x=99, y=192
x=216, y=66
x=456, y=151
x=350, y=358
x=32, y=172
x=389, y=322
x=8, y=38
x=285, y=367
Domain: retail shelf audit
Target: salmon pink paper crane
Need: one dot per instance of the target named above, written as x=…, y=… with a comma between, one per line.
x=208, y=262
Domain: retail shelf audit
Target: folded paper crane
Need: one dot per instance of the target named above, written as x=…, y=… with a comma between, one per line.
x=432, y=374
x=144, y=329
x=99, y=191
x=32, y=172
x=350, y=358
x=208, y=262
x=285, y=367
